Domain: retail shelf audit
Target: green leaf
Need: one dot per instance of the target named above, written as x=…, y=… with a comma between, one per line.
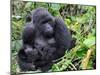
x=55, y=6
x=28, y=4
x=67, y=21
x=55, y=68
x=16, y=45
x=65, y=65
x=89, y=41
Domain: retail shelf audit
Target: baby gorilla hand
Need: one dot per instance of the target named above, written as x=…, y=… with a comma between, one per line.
x=32, y=54
x=49, y=53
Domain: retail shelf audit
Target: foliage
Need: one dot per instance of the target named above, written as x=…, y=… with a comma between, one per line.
x=78, y=18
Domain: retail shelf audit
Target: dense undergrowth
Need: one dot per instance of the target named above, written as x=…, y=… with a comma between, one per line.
x=80, y=19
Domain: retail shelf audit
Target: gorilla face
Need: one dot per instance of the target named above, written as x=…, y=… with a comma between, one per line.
x=47, y=30
x=45, y=38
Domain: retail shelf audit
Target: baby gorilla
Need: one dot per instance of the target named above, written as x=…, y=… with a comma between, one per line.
x=45, y=39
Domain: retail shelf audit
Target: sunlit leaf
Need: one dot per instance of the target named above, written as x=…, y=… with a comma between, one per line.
x=89, y=41
x=55, y=6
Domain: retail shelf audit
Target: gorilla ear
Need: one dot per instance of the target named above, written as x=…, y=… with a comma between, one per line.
x=29, y=17
x=62, y=35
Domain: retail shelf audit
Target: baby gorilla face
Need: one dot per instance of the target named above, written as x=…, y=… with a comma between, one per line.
x=32, y=54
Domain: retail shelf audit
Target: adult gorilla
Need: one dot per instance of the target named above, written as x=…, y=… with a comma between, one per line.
x=45, y=39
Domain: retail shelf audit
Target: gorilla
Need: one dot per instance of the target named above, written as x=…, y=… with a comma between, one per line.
x=45, y=39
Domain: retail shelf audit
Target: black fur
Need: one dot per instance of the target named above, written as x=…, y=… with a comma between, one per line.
x=45, y=38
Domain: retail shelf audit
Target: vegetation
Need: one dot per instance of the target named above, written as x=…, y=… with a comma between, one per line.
x=80, y=19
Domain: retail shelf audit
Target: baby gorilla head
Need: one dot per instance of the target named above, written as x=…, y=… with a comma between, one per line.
x=45, y=38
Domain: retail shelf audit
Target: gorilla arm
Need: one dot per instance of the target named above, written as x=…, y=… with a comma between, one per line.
x=28, y=34
x=26, y=53
x=62, y=37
